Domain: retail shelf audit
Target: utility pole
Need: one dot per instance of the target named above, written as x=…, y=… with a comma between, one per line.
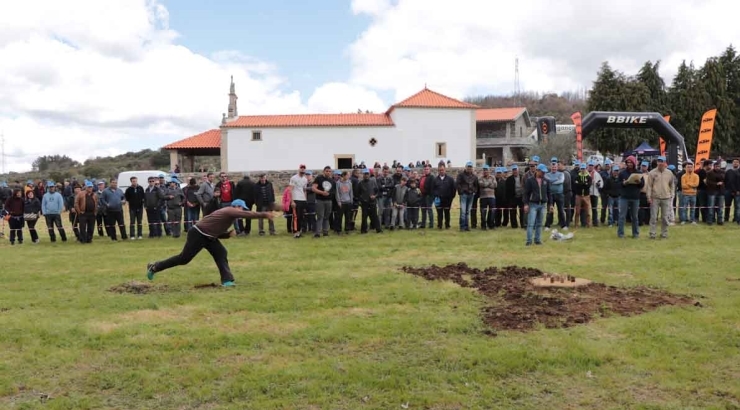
x=517, y=86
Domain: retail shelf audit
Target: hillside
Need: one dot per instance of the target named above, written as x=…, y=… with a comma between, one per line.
x=60, y=167
x=538, y=105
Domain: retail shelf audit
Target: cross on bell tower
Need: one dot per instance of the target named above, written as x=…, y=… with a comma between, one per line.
x=233, y=112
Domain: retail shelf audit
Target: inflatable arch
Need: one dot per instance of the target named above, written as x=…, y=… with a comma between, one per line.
x=638, y=120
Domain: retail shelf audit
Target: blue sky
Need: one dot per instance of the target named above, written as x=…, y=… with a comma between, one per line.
x=306, y=40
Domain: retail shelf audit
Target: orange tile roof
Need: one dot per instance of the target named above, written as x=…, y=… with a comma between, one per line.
x=208, y=139
x=498, y=114
x=427, y=98
x=312, y=120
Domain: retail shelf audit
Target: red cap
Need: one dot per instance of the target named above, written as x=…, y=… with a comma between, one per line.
x=302, y=166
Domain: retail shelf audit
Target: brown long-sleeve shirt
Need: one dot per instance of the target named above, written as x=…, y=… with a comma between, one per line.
x=218, y=223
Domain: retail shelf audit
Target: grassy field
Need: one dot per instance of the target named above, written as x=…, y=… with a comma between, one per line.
x=333, y=324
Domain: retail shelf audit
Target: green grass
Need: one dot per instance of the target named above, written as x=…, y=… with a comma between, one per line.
x=333, y=324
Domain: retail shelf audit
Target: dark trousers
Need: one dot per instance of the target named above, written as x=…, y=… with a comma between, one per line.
x=289, y=220
x=194, y=243
x=163, y=219
x=501, y=214
x=87, y=227
x=100, y=219
x=413, y=214
x=702, y=200
x=113, y=219
x=487, y=211
x=568, y=207
x=355, y=208
x=51, y=222
x=245, y=225
x=16, y=229
x=559, y=202
x=309, y=217
x=604, y=202
x=572, y=208
x=174, y=221
x=369, y=211
x=73, y=220
x=729, y=200
x=155, y=223
x=136, y=220
x=443, y=212
x=595, y=210
x=474, y=213
x=345, y=211
x=299, y=213
x=644, y=213
x=517, y=204
x=427, y=210
x=32, y=229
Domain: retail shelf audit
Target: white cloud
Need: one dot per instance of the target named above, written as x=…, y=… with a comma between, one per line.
x=466, y=46
x=344, y=98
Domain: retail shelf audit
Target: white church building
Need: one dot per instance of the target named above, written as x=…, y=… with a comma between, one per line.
x=425, y=126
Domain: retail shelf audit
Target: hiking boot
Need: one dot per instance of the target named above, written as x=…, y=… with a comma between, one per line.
x=150, y=271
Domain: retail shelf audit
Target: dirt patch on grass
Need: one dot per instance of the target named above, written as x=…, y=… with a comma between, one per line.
x=137, y=288
x=206, y=286
x=516, y=303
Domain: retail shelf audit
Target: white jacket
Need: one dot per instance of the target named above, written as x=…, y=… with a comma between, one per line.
x=597, y=184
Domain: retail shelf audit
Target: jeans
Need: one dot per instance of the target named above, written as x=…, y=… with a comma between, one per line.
x=55, y=220
x=633, y=206
x=323, y=216
x=426, y=202
x=737, y=208
x=384, y=210
x=136, y=215
x=687, y=212
x=664, y=206
x=613, y=204
x=191, y=216
x=261, y=222
x=466, y=203
x=716, y=206
x=559, y=200
x=487, y=209
x=194, y=243
x=534, y=222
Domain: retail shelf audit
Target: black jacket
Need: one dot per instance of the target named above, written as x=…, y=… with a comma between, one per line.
x=153, y=197
x=245, y=190
x=732, y=180
x=385, y=184
x=612, y=187
x=501, y=198
x=264, y=193
x=135, y=197
x=32, y=206
x=366, y=188
x=535, y=193
x=582, y=186
x=630, y=191
x=444, y=188
x=511, y=186
x=467, y=183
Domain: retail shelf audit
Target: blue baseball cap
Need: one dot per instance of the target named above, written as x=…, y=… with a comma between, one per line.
x=337, y=172
x=4, y=184
x=661, y=158
x=499, y=170
x=536, y=158
x=366, y=171
x=88, y=184
x=554, y=159
x=175, y=180
x=542, y=167
x=583, y=166
x=101, y=182
x=591, y=163
x=309, y=172
x=469, y=164
x=615, y=168
x=576, y=162
x=240, y=203
x=29, y=182
x=485, y=166
x=404, y=168
x=161, y=175
x=608, y=162
x=672, y=167
x=645, y=164
x=515, y=166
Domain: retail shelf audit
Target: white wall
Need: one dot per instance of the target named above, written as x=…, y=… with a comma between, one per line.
x=413, y=138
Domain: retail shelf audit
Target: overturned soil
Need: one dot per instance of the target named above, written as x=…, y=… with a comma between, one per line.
x=517, y=303
x=206, y=286
x=137, y=288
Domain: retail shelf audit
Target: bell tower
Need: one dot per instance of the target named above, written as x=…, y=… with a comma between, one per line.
x=233, y=112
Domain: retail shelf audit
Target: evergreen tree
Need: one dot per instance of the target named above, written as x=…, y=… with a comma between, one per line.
x=714, y=82
x=687, y=105
x=731, y=67
x=607, y=95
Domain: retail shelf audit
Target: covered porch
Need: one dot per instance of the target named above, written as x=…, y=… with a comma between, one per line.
x=198, y=153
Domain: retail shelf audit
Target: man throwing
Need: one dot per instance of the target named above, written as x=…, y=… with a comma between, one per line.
x=206, y=234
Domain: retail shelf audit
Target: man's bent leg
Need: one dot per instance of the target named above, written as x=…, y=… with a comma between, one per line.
x=219, y=254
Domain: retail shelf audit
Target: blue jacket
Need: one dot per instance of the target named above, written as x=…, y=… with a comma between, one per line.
x=112, y=199
x=52, y=204
x=556, y=180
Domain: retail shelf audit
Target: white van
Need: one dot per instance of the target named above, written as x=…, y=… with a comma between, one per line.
x=124, y=178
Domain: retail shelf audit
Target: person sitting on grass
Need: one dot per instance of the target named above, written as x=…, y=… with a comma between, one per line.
x=205, y=235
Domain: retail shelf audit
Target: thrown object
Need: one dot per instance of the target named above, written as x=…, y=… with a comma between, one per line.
x=559, y=236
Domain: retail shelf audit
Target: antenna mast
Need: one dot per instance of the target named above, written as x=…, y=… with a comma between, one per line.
x=517, y=87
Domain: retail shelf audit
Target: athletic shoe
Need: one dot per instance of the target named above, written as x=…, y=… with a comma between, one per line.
x=228, y=284
x=150, y=271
